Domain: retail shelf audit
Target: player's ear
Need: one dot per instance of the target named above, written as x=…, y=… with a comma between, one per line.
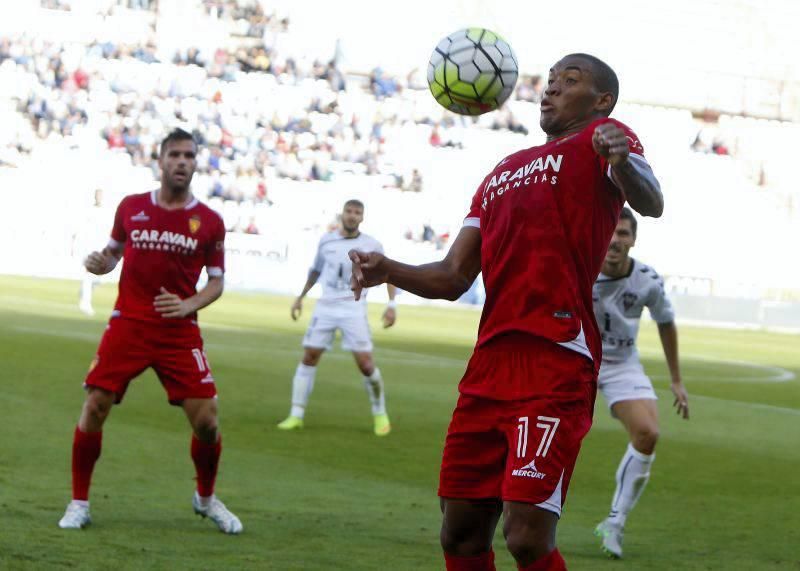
x=605, y=103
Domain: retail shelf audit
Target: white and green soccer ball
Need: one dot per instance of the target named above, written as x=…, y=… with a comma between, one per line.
x=472, y=71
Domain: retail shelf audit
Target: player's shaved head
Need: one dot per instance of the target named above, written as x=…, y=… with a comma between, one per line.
x=605, y=79
x=174, y=136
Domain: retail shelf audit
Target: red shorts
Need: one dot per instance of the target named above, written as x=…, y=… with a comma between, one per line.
x=517, y=450
x=174, y=351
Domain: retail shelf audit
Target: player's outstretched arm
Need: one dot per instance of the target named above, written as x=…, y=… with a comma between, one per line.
x=668, y=333
x=101, y=263
x=297, y=306
x=635, y=178
x=447, y=279
x=171, y=306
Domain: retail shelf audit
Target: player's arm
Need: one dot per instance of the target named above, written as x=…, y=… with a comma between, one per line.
x=446, y=279
x=104, y=262
x=171, y=306
x=668, y=333
x=634, y=177
x=390, y=314
x=297, y=306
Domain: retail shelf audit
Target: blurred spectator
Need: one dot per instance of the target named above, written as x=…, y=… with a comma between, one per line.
x=530, y=88
x=415, y=184
x=251, y=227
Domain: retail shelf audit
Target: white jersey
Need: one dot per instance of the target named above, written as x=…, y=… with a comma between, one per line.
x=335, y=267
x=618, y=305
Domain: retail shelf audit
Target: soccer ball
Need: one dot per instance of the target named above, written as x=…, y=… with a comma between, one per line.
x=472, y=71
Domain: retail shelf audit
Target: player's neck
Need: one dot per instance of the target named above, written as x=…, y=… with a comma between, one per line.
x=173, y=199
x=349, y=234
x=617, y=270
x=572, y=129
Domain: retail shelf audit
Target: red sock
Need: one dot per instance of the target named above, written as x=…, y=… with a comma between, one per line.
x=550, y=562
x=482, y=562
x=85, y=452
x=206, y=462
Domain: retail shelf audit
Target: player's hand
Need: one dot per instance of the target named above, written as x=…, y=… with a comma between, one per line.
x=98, y=263
x=611, y=143
x=170, y=305
x=367, y=271
x=681, y=399
x=297, y=308
x=389, y=317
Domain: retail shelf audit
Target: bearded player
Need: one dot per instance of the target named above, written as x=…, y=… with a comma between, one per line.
x=538, y=230
x=623, y=289
x=335, y=310
x=166, y=237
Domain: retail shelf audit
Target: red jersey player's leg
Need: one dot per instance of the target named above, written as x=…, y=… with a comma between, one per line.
x=470, y=484
x=530, y=444
x=122, y=355
x=544, y=437
x=183, y=369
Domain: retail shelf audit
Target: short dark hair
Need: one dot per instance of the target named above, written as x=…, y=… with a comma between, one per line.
x=353, y=202
x=605, y=78
x=176, y=135
x=627, y=214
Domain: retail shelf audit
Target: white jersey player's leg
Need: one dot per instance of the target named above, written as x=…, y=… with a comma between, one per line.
x=317, y=339
x=377, y=395
x=629, y=393
x=357, y=337
x=87, y=287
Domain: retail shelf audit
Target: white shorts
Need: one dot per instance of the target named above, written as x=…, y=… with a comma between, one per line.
x=625, y=380
x=328, y=318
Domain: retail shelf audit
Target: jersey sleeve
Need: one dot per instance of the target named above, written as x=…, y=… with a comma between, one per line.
x=377, y=247
x=215, y=250
x=473, y=217
x=118, y=232
x=658, y=303
x=319, y=260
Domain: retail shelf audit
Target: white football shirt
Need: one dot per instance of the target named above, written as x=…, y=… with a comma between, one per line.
x=618, y=306
x=335, y=267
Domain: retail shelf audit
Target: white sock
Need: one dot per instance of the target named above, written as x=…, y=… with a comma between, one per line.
x=302, y=385
x=632, y=476
x=87, y=284
x=377, y=396
x=82, y=503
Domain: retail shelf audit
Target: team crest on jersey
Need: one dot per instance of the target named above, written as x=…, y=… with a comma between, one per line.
x=629, y=300
x=194, y=224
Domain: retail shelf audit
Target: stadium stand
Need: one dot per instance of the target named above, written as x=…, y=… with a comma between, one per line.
x=285, y=139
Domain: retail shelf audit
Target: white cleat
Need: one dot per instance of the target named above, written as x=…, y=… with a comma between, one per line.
x=76, y=517
x=216, y=511
x=611, y=535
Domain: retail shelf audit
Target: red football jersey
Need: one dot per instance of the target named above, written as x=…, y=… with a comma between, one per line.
x=164, y=248
x=546, y=216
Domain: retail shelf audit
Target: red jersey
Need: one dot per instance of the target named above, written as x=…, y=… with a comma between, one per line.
x=164, y=248
x=546, y=216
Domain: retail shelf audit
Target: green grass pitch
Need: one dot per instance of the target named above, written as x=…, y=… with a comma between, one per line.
x=724, y=491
